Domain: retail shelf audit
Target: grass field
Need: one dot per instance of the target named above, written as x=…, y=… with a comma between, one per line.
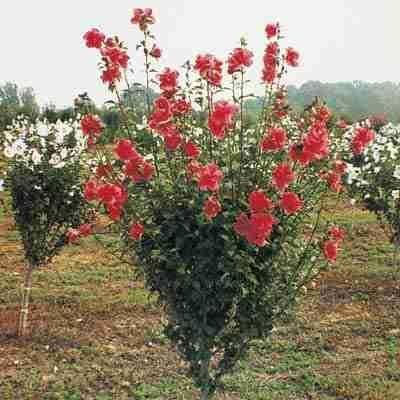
x=95, y=332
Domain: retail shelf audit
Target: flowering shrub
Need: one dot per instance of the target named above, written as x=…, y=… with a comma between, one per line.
x=373, y=174
x=224, y=220
x=44, y=180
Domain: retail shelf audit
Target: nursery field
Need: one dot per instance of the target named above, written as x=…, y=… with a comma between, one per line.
x=95, y=332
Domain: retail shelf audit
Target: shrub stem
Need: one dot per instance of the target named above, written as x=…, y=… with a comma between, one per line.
x=23, y=318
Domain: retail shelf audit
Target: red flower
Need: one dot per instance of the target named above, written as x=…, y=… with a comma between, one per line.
x=136, y=231
x=330, y=248
x=155, y=52
x=193, y=169
x=143, y=18
x=239, y=59
x=242, y=224
x=173, y=140
x=259, y=202
x=94, y=38
x=292, y=57
x=275, y=140
x=116, y=56
x=91, y=125
x=221, y=118
x=212, y=208
x=362, y=138
x=337, y=234
x=111, y=74
x=180, y=107
x=334, y=181
x=210, y=178
x=114, y=197
x=191, y=150
x=322, y=114
x=148, y=171
x=125, y=150
x=282, y=176
x=316, y=143
x=271, y=30
x=161, y=115
x=72, y=235
x=270, y=62
x=168, y=81
x=91, y=190
x=114, y=211
x=210, y=68
x=139, y=170
x=297, y=153
x=290, y=203
x=257, y=229
x=85, y=229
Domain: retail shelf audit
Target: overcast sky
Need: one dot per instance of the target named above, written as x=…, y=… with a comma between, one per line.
x=339, y=40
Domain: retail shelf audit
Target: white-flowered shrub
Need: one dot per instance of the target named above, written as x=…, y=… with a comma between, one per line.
x=43, y=176
x=374, y=176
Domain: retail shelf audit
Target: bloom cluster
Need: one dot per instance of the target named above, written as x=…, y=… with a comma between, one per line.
x=274, y=64
x=373, y=171
x=43, y=144
x=114, y=56
x=277, y=159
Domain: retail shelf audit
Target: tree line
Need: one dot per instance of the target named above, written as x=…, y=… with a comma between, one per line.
x=351, y=101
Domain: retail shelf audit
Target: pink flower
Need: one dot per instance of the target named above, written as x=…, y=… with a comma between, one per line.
x=94, y=38
x=239, y=59
x=337, y=234
x=210, y=178
x=85, y=229
x=212, y=208
x=361, y=139
x=282, y=176
x=73, y=235
x=270, y=62
x=91, y=125
x=257, y=229
x=292, y=57
x=173, y=141
x=111, y=74
x=275, y=140
x=125, y=150
x=180, y=107
x=330, y=249
x=209, y=68
x=221, y=119
x=191, y=150
x=259, y=202
x=116, y=56
x=91, y=190
x=290, y=203
x=272, y=30
x=168, y=82
x=143, y=18
x=155, y=52
x=136, y=231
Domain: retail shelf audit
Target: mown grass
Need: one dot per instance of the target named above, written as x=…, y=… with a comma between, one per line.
x=96, y=333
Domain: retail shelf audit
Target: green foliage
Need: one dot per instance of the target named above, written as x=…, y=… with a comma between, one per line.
x=219, y=291
x=46, y=204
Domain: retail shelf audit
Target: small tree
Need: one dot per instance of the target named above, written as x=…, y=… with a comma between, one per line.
x=44, y=178
x=224, y=218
